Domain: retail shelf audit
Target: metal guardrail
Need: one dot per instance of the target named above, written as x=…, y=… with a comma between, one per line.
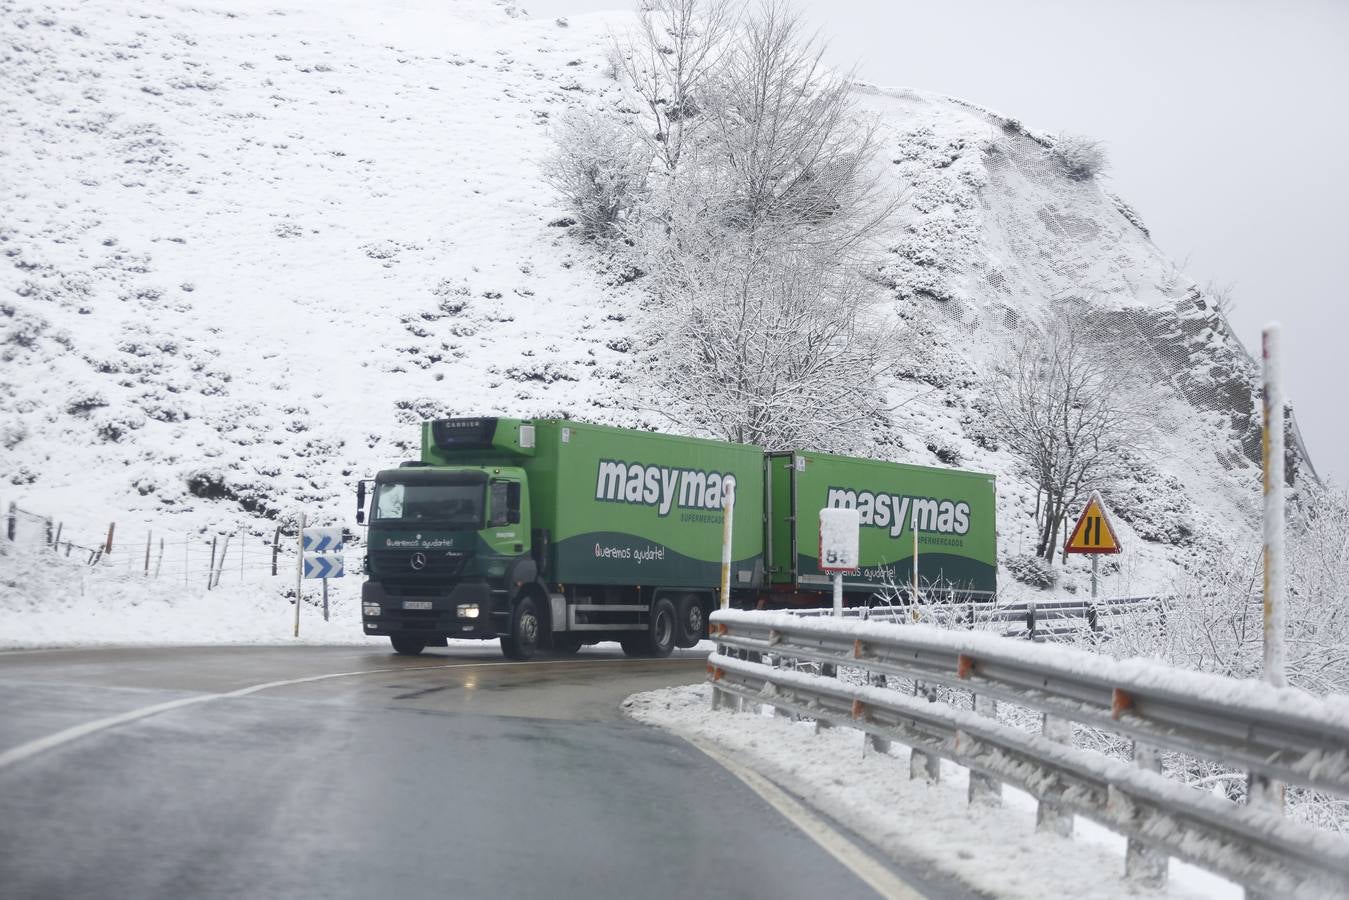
x=1281, y=734
x=1038, y=620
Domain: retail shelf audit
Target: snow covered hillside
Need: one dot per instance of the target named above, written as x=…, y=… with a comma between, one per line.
x=249, y=245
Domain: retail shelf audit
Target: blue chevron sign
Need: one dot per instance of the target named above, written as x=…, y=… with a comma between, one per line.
x=322, y=540
x=326, y=566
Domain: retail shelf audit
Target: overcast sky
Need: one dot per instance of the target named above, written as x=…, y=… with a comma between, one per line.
x=1227, y=123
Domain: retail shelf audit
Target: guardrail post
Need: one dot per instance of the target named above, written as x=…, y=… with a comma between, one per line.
x=1030, y=620
x=924, y=765
x=985, y=790
x=12, y=521
x=1144, y=865
x=1049, y=815
x=921, y=763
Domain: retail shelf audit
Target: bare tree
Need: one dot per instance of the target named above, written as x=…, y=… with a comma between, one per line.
x=779, y=350
x=796, y=159
x=1071, y=411
x=759, y=250
x=678, y=45
x=757, y=241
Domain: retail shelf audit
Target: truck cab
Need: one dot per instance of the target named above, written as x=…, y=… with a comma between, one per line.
x=448, y=548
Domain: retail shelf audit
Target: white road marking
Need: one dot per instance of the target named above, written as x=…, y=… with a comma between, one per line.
x=856, y=860
x=75, y=732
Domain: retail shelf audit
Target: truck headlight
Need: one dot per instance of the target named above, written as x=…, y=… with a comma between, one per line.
x=370, y=609
x=467, y=610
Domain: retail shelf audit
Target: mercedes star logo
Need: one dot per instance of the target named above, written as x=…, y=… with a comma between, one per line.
x=419, y=561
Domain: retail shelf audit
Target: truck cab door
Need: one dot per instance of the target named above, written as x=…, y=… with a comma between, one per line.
x=507, y=532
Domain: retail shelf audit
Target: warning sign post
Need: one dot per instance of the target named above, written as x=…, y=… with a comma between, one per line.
x=1094, y=535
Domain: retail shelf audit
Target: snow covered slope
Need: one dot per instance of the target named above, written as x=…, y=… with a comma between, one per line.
x=247, y=248
x=249, y=245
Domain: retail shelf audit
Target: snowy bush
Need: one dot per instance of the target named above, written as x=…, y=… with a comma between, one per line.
x=81, y=404
x=1081, y=158
x=599, y=169
x=114, y=426
x=1032, y=570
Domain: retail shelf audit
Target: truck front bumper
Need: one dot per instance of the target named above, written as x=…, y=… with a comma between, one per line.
x=432, y=617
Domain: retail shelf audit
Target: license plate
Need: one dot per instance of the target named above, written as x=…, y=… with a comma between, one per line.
x=416, y=604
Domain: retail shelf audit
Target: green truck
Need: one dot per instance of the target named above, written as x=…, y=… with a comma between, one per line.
x=551, y=534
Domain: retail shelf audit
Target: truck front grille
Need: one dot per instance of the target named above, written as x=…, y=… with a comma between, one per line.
x=396, y=566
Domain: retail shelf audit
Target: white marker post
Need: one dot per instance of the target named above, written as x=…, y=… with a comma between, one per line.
x=299, y=571
x=728, y=515
x=839, y=530
x=1274, y=508
x=1261, y=791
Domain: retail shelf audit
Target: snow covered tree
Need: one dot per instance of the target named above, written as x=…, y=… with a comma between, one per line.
x=759, y=244
x=600, y=169
x=771, y=346
x=679, y=44
x=1071, y=411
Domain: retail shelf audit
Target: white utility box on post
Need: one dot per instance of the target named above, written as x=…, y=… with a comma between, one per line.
x=839, y=530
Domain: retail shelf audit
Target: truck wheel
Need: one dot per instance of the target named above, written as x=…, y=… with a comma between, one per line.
x=692, y=619
x=407, y=646
x=659, y=640
x=523, y=640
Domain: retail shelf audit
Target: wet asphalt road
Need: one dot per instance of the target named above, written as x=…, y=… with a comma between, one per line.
x=452, y=775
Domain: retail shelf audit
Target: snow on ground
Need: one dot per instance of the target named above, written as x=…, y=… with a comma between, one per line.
x=248, y=247
x=48, y=601
x=991, y=849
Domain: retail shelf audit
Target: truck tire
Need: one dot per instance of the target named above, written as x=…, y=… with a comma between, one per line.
x=407, y=646
x=692, y=619
x=522, y=642
x=661, y=631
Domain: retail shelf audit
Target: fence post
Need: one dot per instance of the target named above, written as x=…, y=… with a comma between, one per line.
x=210, y=569
x=276, y=547
x=159, y=560
x=149, y=537
x=1144, y=865
x=49, y=531
x=107, y=546
x=12, y=521
x=1030, y=620
x=299, y=572
x=56, y=541
x=220, y=566
x=984, y=789
x=1049, y=815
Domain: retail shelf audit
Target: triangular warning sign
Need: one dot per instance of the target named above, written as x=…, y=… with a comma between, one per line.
x=1092, y=533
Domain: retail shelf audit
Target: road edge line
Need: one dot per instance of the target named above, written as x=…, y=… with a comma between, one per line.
x=864, y=865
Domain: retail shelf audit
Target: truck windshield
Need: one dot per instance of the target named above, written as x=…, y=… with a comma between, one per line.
x=444, y=504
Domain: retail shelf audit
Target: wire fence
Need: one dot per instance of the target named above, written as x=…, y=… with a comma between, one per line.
x=208, y=559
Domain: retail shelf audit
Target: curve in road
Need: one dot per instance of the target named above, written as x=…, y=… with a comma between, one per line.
x=341, y=772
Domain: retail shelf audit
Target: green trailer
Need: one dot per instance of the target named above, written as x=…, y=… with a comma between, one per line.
x=551, y=534
x=941, y=518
